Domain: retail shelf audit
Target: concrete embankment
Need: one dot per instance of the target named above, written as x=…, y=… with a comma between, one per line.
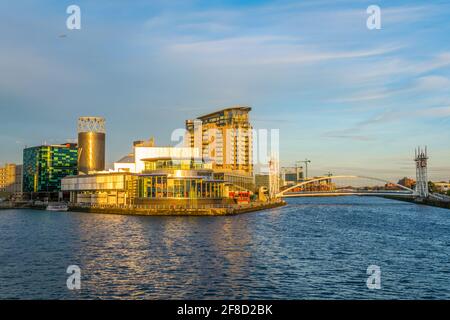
x=427, y=202
x=6, y=205
x=21, y=206
x=149, y=211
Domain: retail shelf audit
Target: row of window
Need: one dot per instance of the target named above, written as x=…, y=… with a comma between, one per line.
x=162, y=187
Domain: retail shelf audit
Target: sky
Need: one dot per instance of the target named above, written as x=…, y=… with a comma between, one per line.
x=350, y=99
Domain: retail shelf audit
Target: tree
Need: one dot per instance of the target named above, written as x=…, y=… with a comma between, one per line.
x=431, y=187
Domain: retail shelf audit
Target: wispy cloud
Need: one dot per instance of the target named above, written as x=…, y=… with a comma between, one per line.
x=267, y=50
x=436, y=112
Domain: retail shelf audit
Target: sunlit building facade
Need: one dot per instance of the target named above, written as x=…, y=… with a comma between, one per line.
x=45, y=166
x=164, y=180
x=225, y=137
x=101, y=188
x=10, y=178
x=134, y=161
x=186, y=175
x=182, y=178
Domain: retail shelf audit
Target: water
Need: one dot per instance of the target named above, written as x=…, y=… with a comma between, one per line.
x=317, y=248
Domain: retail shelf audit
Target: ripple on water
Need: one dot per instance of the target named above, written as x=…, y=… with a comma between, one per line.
x=316, y=248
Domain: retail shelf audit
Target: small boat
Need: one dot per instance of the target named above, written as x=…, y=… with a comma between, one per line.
x=62, y=207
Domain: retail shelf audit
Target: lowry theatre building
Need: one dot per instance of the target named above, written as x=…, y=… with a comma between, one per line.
x=215, y=163
x=164, y=181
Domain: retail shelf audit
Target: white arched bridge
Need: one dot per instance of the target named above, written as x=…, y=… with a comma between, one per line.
x=344, y=185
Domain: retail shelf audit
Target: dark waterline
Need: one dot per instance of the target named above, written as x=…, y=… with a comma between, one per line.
x=316, y=248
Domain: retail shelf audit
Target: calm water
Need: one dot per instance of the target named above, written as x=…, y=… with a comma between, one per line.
x=313, y=248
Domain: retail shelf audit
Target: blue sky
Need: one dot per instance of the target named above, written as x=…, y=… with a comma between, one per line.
x=353, y=100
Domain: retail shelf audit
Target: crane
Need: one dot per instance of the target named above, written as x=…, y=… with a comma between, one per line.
x=306, y=161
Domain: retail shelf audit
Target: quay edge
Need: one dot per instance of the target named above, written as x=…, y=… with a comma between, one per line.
x=179, y=212
x=426, y=202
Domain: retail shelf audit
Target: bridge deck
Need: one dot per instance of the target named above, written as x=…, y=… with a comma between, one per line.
x=337, y=194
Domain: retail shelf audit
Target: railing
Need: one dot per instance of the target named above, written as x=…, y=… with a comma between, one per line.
x=440, y=197
x=350, y=191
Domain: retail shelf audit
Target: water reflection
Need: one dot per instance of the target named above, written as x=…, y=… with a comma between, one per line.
x=313, y=248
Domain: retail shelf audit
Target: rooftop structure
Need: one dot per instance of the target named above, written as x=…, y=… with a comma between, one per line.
x=134, y=161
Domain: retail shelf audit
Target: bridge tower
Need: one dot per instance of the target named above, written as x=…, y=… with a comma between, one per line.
x=421, y=160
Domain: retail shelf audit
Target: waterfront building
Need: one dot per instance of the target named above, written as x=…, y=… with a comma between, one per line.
x=238, y=181
x=163, y=181
x=113, y=188
x=44, y=166
x=134, y=161
x=188, y=175
x=11, y=178
x=225, y=136
x=179, y=178
x=290, y=176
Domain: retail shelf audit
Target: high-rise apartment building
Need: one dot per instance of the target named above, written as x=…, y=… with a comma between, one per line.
x=225, y=137
x=11, y=178
x=45, y=166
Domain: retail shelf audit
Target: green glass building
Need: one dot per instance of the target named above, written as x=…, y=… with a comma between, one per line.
x=45, y=166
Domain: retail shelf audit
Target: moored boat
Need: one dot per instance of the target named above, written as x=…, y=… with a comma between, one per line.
x=62, y=207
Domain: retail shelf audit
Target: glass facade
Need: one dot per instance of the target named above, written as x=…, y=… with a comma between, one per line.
x=174, y=164
x=168, y=181
x=45, y=166
x=95, y=182
x=178, y=178
x=163, y=186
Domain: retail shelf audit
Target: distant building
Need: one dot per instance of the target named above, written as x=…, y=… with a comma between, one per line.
x=390, y=186
x=45, y=166
x=407, y=182
x=11, y=178
x=442, y=186
x=291, y=176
